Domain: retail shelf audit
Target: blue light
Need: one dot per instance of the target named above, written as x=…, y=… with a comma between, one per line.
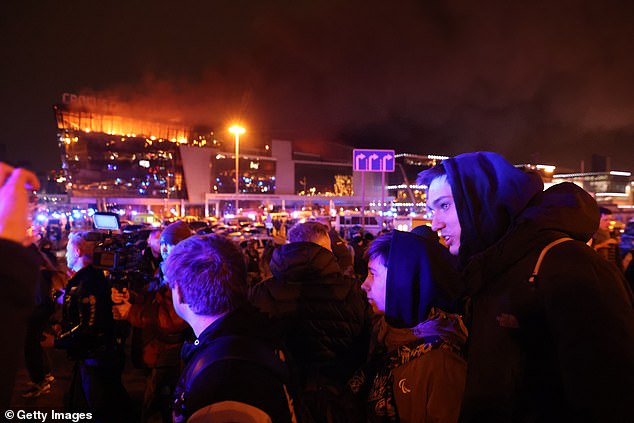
x=41, y=218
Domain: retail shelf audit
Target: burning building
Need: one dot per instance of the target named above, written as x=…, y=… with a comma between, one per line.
x=106, y=154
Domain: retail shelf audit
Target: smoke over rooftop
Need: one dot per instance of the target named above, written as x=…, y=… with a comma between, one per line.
x=549, y=81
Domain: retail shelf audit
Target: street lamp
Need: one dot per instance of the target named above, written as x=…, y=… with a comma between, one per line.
x=237, y=130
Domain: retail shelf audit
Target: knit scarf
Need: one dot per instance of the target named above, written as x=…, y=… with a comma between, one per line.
x=381, y=405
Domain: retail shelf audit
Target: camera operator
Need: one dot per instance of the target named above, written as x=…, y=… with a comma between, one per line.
x=163, y=331
x=88, y=336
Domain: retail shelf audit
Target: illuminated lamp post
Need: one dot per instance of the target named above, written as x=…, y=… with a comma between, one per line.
x=237, y=130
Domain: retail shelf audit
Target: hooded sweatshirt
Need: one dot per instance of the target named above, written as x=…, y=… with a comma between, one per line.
x=422, y=360
x=557, y=349
x=421, y=275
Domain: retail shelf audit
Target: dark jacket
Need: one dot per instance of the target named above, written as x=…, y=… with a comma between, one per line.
x=235, y=359
x=149, y=270
x=43, y=286
x=342, y=252
x=558, y=349
x=87, y=323
x=325, y=314
x=18, y=278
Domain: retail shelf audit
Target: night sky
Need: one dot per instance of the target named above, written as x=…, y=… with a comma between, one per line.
x=539, y=81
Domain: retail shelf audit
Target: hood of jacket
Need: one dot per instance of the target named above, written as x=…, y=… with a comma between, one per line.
x=565, y=208
x=420, y=275
x=447, y=326
x=304, y=261
x=492, y=196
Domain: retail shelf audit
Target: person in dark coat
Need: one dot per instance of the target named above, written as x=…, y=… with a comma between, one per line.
x=417, y=371
x=555, y=346
x=325, y=316
x=88, y=336
x=18, y=272
x=35, y=358
x=236, y=366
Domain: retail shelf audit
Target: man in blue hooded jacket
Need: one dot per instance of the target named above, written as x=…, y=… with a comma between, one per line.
x=549, y=342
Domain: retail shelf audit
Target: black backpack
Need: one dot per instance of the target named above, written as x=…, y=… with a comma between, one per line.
x=238, y=348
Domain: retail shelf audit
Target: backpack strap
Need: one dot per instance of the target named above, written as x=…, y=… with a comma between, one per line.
x=238, y=348
x=545, y=250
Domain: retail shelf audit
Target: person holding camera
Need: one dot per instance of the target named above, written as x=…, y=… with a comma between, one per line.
x=88, y=336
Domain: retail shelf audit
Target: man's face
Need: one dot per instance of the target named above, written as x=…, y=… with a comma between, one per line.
x=71, y=255
x=375, y=284
x=604, y=223
x=440, y=201
x=166, y=249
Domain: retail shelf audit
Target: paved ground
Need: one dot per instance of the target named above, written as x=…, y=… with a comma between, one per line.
x=133, y=379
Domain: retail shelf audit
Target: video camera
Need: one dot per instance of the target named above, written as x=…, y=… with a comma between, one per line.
x=115, y=252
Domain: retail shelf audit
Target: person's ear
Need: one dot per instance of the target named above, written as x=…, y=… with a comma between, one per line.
x=179, y=294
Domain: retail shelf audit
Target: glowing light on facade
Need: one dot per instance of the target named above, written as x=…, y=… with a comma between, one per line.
x=118, y=125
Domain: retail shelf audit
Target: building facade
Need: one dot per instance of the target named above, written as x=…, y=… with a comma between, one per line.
x=109, y=159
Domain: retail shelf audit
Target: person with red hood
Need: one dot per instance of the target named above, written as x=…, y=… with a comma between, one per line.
x=164, y=332
x=552, y=324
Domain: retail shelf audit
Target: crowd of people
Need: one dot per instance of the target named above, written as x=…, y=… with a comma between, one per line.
x=508, y=309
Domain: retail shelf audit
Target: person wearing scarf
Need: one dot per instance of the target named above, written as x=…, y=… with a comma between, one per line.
x=417, y=371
